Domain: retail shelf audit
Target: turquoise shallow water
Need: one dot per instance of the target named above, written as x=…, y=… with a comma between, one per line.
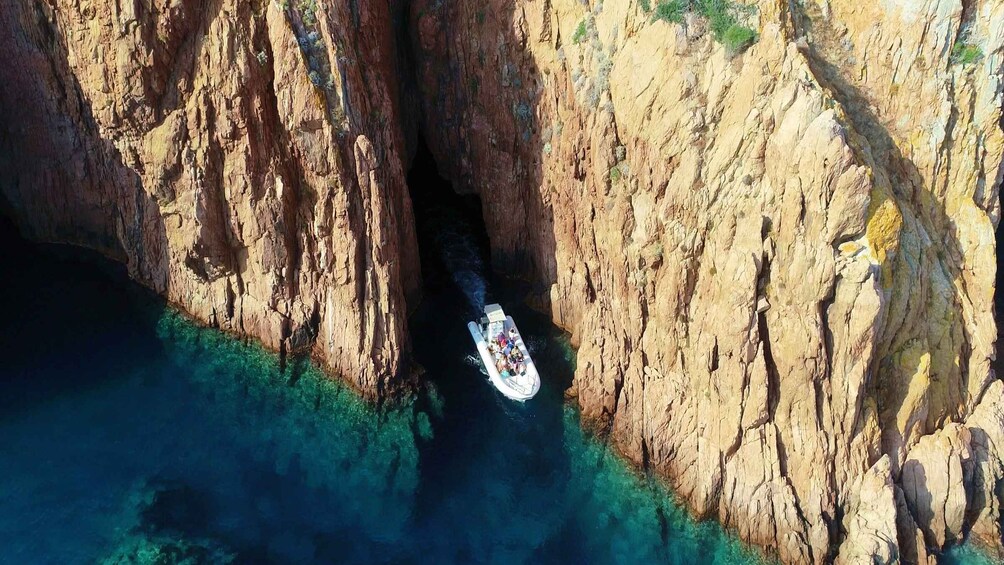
x=131, y=435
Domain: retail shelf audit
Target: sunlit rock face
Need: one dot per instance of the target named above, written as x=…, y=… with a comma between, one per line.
x=186, y=445
x=778, y=265
x=244, y=160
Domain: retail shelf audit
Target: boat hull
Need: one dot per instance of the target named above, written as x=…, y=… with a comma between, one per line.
x=522, y=388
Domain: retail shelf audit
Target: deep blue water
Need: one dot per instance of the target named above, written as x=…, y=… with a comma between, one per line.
x=130, y=435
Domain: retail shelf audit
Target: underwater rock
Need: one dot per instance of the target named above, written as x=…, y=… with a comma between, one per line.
x=160, y=550
x=171, y=529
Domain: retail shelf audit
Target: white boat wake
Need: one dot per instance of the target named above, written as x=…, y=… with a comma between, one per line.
x=475, y=361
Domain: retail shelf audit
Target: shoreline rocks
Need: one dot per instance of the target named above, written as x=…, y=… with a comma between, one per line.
x=777, y=265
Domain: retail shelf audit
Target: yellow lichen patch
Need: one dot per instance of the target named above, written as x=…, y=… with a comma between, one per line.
x=883, y=229
x=914, y=363
x=850, y=248
x=871, y=430
x=916, y=140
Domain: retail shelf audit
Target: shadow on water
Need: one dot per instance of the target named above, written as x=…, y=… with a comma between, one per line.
x=485, y=446
x=44, y=357
x=132, y=435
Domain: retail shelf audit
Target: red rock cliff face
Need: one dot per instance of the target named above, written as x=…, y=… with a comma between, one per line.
x=778, y=266
x=243, y=159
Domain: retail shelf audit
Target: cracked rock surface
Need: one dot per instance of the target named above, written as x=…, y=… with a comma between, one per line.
x=778, y=266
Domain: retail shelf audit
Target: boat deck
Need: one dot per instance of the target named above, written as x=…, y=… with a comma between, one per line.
x=517, y=387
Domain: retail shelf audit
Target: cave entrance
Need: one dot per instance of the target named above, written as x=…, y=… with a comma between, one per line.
x=473, y=422
x=453, y=244
x=457, y=282
x=456, y=277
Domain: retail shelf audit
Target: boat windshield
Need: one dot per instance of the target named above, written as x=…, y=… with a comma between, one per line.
x=496, y=320
x=495, y=328
x=494, y=313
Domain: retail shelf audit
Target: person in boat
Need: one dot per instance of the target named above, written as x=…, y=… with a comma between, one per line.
x=512, y=334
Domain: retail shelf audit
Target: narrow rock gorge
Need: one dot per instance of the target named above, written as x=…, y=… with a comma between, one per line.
x=777, y=263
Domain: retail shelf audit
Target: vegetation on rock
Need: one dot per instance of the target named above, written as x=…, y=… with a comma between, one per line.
x=723, y=18
x=580, y=33
x=965, y=53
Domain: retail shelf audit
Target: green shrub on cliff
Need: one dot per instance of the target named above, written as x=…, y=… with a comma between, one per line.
x=723, y=18
x=965, y=53
x=615, y=174
x=580, y=33
x=672, y=11
x=737, y=38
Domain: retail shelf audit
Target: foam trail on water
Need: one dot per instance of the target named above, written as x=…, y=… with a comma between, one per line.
x=474, y=287
x=463, y=260
x=535, y=344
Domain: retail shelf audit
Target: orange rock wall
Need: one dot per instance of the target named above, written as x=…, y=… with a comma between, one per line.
x=188, y=141
x=778, y=266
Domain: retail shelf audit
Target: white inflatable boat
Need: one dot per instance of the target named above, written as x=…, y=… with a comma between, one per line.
x=518, y=379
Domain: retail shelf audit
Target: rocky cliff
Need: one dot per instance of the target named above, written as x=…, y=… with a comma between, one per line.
x=777, y=261
x=244, y=160
x=778, y=265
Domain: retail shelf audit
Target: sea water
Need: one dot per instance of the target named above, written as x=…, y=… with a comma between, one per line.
x=128, y=434
x=131, y=435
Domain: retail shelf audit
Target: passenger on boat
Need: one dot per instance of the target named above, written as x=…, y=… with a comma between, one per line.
x=512, y=334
